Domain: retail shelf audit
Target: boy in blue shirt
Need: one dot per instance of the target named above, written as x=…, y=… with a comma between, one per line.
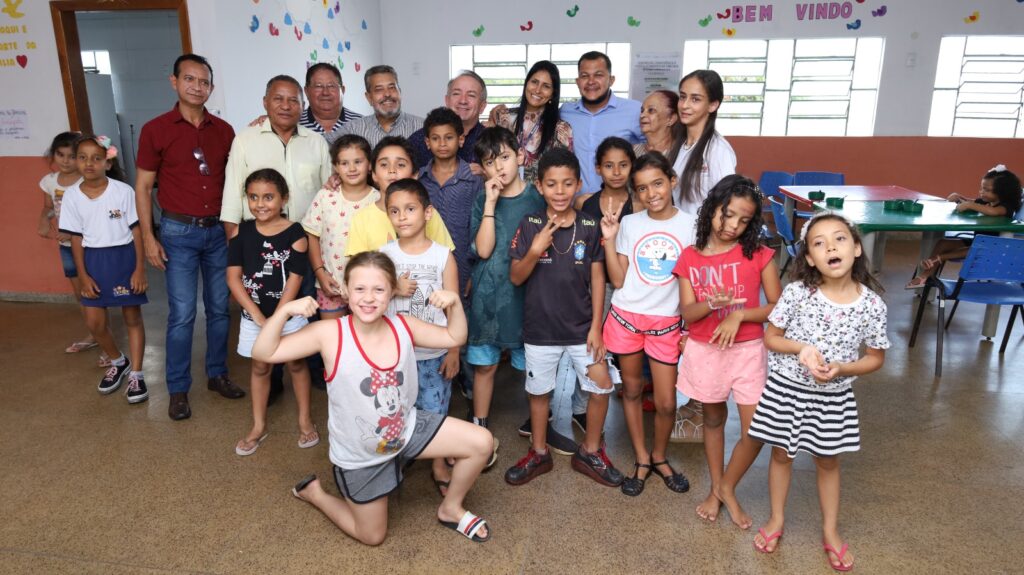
x=496, y=306
x=557, y=254
x=451, y=184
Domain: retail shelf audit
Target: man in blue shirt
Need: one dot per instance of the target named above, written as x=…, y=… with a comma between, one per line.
x=598, y=114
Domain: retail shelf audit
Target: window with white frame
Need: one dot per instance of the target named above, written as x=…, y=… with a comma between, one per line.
x=96, y=62
x=979, y=87
x=793, y=87
x=504, y=66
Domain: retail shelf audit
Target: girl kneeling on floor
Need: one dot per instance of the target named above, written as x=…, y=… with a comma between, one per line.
x=814, y=336
x=375, y=429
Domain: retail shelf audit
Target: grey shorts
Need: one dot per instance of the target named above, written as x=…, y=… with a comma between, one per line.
x=371, y=483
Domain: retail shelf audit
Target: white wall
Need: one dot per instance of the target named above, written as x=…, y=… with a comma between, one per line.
x=419, y=32
x=243, y=60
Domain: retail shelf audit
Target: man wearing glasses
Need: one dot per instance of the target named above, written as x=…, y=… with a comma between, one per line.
x=187, y=149
x=325, y=92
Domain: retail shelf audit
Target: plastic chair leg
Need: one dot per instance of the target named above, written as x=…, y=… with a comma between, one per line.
x=952, y=312
x=1009, y=327
x=938, y=336
x=919, y=315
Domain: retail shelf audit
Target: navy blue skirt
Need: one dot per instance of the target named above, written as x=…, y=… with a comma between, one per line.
x=111, y=268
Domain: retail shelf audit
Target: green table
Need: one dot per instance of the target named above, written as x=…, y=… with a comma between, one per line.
x=937, y=218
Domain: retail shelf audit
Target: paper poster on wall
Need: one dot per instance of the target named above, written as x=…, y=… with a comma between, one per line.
x=14, y=125
x=654, y=71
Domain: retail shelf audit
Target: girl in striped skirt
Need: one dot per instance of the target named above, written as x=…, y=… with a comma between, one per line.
x=814, y=336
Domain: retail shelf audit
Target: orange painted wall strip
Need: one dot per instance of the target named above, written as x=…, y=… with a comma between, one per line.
x=937, y=166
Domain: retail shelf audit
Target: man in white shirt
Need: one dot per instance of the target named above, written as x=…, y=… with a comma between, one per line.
x=300, y=154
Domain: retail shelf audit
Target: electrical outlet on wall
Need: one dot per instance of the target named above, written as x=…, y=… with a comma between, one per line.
x=415, y=68
x=911, y=59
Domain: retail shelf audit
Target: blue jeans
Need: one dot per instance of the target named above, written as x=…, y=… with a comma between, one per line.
x=191, y=249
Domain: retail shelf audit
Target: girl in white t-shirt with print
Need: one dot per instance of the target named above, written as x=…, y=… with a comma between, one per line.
x=706, y=157
x=99, y=215
x=644, y=317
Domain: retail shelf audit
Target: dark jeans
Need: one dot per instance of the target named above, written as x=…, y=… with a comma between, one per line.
x=190, y=250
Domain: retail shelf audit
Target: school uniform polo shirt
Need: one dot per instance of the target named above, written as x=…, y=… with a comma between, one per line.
x=304, y=162
x=168, y=145
x=620, y=117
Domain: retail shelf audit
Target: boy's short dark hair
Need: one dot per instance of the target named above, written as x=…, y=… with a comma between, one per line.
x=388, y=141
x=557, y=158
x=442, y=117
x=489, y=143
x=411, y=185
x=192, y=58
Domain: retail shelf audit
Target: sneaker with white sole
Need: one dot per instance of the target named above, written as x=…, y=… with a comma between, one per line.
x=136, y=392
x=113, y=377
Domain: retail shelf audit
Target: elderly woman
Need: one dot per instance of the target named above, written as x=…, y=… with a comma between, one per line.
x=535, y=122
x=659, y=121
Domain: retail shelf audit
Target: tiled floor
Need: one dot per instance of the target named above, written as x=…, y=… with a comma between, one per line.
x=89, y=484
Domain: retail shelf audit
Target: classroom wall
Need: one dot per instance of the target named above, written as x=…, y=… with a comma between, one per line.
x=910, y=28
x=32, y=108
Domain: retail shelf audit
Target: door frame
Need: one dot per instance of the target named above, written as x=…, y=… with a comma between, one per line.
x=69, y=53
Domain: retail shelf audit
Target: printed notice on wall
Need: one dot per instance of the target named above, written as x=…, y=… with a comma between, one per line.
x=14, y=124
x=654, y=71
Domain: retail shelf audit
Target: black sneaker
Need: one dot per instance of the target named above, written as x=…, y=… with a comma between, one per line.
x=526, y=431
x=530, y=466
x=597, y=466
x=136, y=392
x=580, y=421
x=460, y=383
x=112, y=379
x=559, y=443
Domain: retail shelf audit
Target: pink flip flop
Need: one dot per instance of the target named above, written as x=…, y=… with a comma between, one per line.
x=767, y=540
x=838, y=565
x=80, y=346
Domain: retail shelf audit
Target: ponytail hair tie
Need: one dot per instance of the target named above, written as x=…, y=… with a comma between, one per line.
x=108, y=146
x=998, y=168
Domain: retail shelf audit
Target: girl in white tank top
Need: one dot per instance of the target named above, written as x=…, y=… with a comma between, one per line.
x=372, y=386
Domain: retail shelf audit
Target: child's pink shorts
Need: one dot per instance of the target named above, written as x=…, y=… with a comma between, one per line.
x=708, y=374
x=657, y=336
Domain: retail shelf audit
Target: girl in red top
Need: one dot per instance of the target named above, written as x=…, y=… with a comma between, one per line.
x=721, y=278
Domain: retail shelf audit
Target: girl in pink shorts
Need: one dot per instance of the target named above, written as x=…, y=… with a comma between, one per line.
x=720, y=279
x=644, y=317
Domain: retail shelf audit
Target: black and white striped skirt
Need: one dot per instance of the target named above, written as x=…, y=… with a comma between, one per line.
x=796, y=418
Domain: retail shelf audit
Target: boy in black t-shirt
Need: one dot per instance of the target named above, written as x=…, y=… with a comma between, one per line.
x=557, y=254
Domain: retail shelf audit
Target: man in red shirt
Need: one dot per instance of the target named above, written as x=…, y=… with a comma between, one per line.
x=187, y=150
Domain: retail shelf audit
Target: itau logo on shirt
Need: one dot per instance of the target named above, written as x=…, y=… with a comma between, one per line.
x=655, y=255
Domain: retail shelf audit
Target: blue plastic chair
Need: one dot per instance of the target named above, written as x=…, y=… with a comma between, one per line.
x=784, y=229
x=992, y=273
x=816, y=179
x=770, y=182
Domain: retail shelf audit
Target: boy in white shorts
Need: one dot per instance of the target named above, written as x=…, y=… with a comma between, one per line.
x=557, y=255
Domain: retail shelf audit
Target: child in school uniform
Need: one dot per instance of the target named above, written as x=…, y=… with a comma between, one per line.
x=557, y=254
x=99, y=215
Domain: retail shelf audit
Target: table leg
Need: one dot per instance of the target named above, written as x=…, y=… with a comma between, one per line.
x=867, y=247
x=789, y=206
